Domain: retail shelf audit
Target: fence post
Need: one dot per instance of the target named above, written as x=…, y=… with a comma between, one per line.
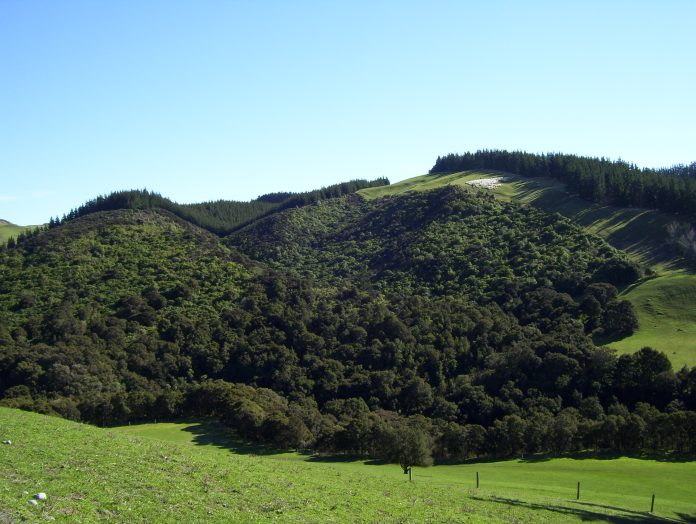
x=578, y=495
x=477, y=480
x=652, y=503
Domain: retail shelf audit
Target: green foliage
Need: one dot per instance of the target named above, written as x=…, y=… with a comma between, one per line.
x=438, y=242
x=426, y=324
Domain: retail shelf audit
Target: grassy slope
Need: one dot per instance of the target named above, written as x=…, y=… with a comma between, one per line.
x=171, y=472
x=423, y=183
x=8, y=230
x=665, y=305
x=666, y=308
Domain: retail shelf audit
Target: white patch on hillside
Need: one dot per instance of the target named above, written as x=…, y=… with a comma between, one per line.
x=489, y=183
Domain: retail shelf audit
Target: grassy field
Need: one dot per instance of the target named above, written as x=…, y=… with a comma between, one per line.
x=199, y=473
x=666, y=308
x=424, y=183
x=8, y=230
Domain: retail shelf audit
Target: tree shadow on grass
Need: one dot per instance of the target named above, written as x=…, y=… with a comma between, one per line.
x=582, y=513
x=211, y=433
x=338, y=457
x=208, y=433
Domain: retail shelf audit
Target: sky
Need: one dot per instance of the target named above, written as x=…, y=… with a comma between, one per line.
x=212, y=100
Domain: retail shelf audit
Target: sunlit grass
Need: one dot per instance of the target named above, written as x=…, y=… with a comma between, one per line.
x=666, y=308
x=198, y=472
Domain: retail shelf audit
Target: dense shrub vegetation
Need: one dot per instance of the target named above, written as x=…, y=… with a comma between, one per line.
x=442, y=324
x=596, y=179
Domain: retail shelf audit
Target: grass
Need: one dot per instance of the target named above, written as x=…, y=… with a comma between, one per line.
x=8, y=230
x=666, y=308
x=199, y=472
x=424, y=183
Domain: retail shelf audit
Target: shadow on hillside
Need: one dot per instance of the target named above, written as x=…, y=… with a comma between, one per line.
x=640, y=231
x=582, y=513
x=686, y=517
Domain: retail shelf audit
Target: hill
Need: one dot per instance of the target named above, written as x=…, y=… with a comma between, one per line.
x=9, y=230
x=430, y=325
x=641, y=233
x=191, y=471
x=440, y=241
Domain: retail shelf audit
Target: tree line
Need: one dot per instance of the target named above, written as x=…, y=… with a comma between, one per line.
x=599, y=180
x=220, y=216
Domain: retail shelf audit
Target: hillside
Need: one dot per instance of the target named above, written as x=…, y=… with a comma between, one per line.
x=666, y=308
x=436, y=242
x=9, y=230
x=641, y=233
x=430, y=325
x=191, y=471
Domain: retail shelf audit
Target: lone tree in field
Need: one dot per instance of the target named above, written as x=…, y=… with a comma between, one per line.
x=409, y=443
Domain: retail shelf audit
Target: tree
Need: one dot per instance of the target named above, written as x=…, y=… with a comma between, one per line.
x=409, y=443
x=620, y=319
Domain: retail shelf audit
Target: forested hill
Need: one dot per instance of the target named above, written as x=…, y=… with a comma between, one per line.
x=220, y=216
x=442, y=323
x=445, y=241
x=619, y=183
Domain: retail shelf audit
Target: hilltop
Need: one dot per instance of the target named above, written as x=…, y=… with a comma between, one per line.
x=641, y=233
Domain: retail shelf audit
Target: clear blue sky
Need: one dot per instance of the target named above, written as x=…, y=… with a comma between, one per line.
x=205, y=100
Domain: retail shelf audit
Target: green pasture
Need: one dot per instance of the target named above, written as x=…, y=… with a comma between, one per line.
x=8, y=230
x=666, y=308
x=199, y=472
x=613, y=483
x=424, y=183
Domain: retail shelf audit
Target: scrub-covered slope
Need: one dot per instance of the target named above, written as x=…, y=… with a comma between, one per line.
x=441, y=323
